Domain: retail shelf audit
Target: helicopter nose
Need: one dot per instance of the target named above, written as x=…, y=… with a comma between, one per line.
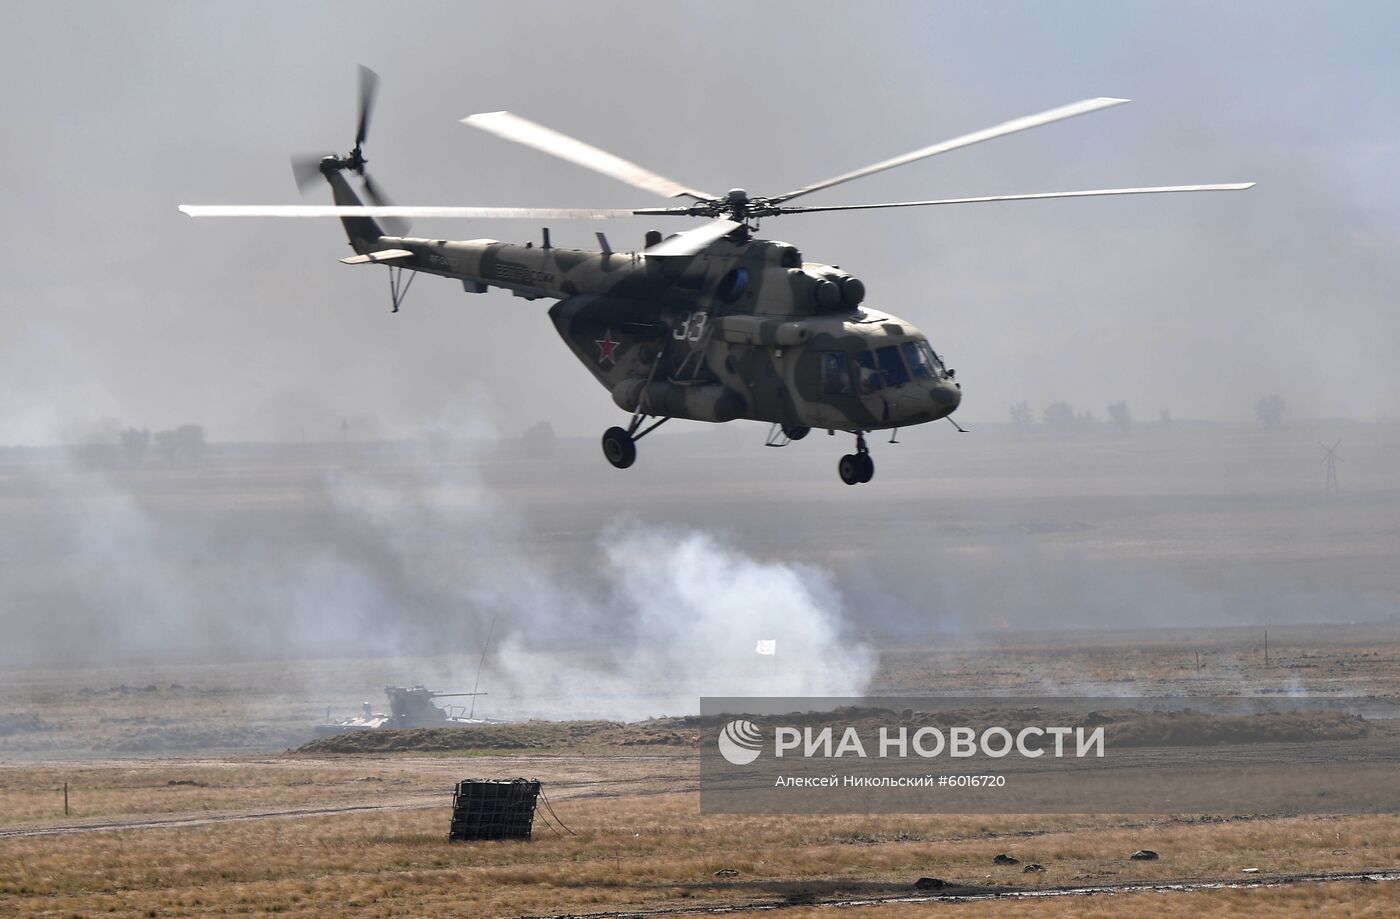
x=947, y=395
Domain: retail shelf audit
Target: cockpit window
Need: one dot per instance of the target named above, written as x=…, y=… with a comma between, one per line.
x=836, y=378
x=867, y=374
x=938, y=364
x=893, y=368
x=920, y=359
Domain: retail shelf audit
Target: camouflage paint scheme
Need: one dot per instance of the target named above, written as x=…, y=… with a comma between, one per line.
x=735, y=331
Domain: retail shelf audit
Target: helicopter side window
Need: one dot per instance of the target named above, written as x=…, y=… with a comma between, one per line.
x=867, y=373
x=732, y=285
x=890, y=364
x=920, y=360
x=836, y=379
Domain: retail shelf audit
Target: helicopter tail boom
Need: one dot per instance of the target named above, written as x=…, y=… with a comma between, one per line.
x=364, y=232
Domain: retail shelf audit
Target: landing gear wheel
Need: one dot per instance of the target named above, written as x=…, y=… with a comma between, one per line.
x=619, y=447
x=850, y=469
x=795, y=432
x=866, y=467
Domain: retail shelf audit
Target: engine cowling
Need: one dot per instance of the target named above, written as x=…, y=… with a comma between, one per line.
x=761, y=330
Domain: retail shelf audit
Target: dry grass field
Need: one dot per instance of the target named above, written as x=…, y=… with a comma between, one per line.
x=636, y=846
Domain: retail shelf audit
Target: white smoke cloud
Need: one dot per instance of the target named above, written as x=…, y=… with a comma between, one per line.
x=686, y=612
x=647, y=622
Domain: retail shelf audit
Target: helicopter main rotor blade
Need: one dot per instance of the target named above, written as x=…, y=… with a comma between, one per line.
x=689, y=242
x=976, y=137
x=548, y=140
x=1159, y=189
x=331, y=210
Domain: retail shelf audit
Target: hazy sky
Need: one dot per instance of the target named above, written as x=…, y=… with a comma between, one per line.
x=119, y=309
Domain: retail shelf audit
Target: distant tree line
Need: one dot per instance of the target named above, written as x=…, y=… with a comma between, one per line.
x=184, y=444
x=1063, y=418
x=1270, y=410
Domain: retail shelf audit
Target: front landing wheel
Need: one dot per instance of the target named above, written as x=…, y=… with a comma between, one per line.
x=850, y=469
x=866, y=467
x=619, y=447
x=856, y=468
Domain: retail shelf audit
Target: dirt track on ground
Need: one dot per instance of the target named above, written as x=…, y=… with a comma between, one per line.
x=614, y=775
x=204, y=819
x=972, y=895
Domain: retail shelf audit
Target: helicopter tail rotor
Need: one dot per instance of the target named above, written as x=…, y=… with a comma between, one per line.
x=306, y=168
x=369, y=88
x=376, y=195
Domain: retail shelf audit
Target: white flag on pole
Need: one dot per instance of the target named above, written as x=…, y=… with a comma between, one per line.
x=767, y=646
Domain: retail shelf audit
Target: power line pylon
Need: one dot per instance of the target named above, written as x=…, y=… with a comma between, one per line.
x=1333, y=490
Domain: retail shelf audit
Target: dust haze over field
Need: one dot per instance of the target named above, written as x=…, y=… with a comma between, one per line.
x=602, y=604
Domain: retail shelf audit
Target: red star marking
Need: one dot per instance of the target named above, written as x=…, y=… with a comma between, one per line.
x=606, y=347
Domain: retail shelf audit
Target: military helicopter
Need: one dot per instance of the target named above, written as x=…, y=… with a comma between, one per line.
x=708, y=324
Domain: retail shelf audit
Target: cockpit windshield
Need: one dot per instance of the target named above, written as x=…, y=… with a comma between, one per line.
x=922, y=361
x=872, y=371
